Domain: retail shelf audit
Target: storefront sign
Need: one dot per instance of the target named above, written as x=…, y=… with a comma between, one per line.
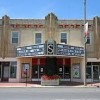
x=76, y=70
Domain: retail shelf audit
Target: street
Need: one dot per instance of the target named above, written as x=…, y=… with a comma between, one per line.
x=50, y=93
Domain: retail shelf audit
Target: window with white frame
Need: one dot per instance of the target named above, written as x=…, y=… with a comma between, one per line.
x=37, y=38
x=14, y=37
x=88, y=41
x=63, y=38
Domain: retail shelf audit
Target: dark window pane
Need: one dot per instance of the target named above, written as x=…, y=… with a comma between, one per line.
x=38, y=38
x=88, y=41
x=14, y=37
x=38, y=35
x=63, y=38
x=63, y=41
x=88, y=72
x=63, y=35
x=14, y=40
x=15, y=34
x=13, y=69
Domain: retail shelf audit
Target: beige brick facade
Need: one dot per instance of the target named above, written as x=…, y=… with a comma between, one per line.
x=51, y=28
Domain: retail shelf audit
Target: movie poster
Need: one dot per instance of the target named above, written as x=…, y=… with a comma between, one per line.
x=25, y=70
x=76, y=70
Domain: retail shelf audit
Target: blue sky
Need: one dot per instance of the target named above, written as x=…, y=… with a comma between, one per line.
x=37, y=9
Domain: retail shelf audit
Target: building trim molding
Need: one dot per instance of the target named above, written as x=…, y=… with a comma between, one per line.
x=93, y=60
x=8, y=59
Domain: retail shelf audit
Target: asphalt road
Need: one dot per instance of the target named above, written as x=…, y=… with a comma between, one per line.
x=56, y=93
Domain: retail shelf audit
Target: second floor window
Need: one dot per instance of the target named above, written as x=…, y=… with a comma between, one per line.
x=63, y=38
x=14, y=37
x=37, y=38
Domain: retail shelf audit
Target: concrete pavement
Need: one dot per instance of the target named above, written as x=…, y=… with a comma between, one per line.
x=37, y=84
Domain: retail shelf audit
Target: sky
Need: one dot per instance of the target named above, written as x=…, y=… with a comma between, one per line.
x=38, y=9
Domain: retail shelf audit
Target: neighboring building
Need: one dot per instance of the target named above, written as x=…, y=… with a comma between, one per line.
x=36, y=44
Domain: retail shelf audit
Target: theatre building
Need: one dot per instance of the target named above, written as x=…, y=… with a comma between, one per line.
x=49, y=45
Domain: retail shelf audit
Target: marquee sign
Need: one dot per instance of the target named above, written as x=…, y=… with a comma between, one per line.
x=50, y=49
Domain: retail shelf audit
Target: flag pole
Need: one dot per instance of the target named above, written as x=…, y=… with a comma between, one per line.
x=85, y=56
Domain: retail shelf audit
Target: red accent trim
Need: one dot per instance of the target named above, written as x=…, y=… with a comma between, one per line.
x=24, y=25
x=40, y=26
x=35, y=26
x=42, y=61
x=72, y=26
x=89, y=26
x=61, y=26
x=59, y=61
x=66, y=26
x=67, y=61
x=77, y=25
x=34, y=61
x=29, y=25
x=12, y=25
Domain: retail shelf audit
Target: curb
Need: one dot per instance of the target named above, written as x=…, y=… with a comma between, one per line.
x=37, y=86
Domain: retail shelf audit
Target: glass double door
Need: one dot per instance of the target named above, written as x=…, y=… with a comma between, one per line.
x=96, y=73
x=37, y=71
x=64, y=71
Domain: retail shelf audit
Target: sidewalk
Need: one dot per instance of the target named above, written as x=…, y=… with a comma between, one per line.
x=37, y=84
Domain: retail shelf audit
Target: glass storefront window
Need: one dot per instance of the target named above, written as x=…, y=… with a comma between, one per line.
x=13, y=68
x=88, y=72
x=0, y=71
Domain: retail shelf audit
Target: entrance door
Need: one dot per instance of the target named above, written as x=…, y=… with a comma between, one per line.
x=95, y=73
x=5, y=73
x=0, y=72
x=35, y=72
